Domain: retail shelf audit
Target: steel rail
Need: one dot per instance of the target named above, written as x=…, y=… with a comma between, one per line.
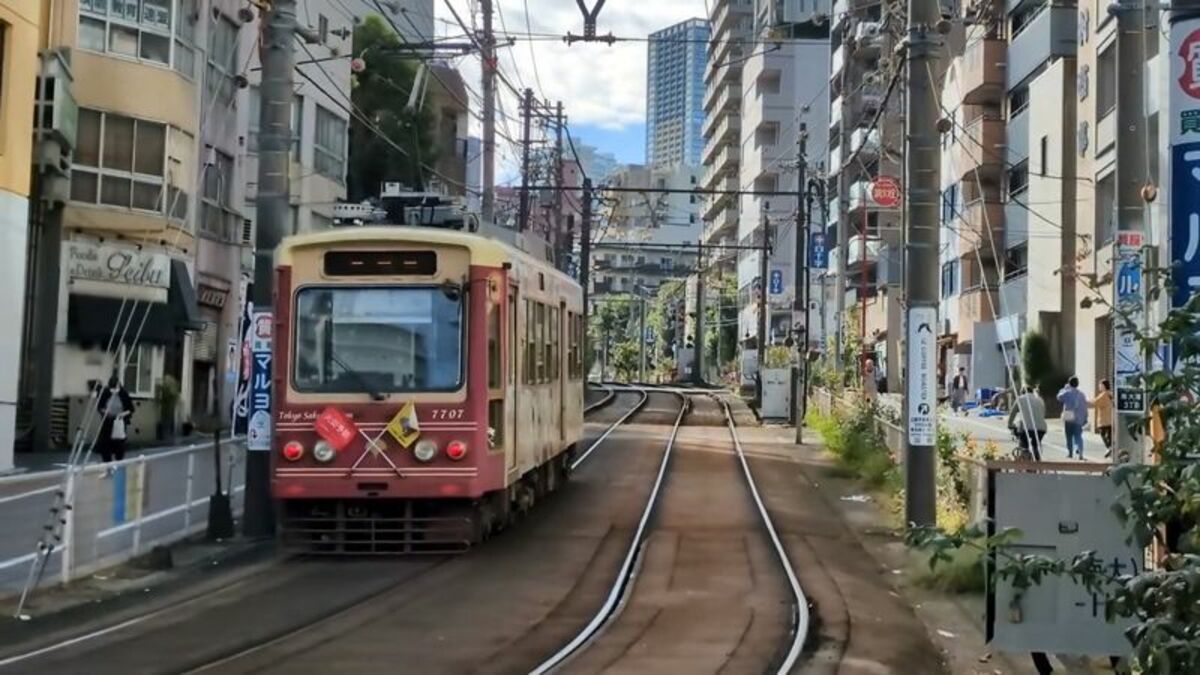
x=624, y=579
x=645, y=397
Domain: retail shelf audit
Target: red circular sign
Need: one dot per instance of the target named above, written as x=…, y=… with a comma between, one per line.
x=885, y=191
x=1189, y=52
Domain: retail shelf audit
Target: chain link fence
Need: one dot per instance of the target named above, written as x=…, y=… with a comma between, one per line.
x=119, y=510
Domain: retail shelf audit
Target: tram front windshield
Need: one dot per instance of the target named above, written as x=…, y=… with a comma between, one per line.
x=378, y=340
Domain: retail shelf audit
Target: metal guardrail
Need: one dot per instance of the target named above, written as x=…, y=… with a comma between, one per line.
x=119, y=511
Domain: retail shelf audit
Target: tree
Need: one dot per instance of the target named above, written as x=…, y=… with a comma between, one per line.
x=380, y=94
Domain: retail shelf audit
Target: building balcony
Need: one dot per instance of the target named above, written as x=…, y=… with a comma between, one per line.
x=728, y=128
x=983, y=68
x=834, y=210
x=837, y=61
x=867, y=40
x=865, y=142
x=1050, y=34
x=974, y=306
x=835, y=113
x=858, y=254
x=982, y=228
x=724, y=95
x=835, y=160
x=1016, y=223
x=1016, y=143
x=980, y=148
x=724, y=226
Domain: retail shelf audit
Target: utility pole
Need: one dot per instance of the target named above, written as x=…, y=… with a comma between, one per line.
x=764, y=255
x=488, y=68
x=585, y=249
x=843, y=226
x=562, y=242
x=800, y=279
x=922, y=161
x=1131, y=174
x=641, y=336
x=527, y=117
x=698, y=354
x=274, y=209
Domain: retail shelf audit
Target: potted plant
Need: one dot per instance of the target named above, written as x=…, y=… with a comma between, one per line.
x=168, y=402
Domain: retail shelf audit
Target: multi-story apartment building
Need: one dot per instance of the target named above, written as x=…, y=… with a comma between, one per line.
x=642, y=222
x=1008, y=191
x=320, y=117
x=142, y=252
x=1095, y=95
x=732, y=24
x=20, y=33
x=866, y=142
x=676, y=58
x=779, y=101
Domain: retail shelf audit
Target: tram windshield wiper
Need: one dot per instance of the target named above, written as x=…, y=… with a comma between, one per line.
x=362, y=379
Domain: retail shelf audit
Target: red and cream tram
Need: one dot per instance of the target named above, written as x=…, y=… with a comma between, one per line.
x=430, y=384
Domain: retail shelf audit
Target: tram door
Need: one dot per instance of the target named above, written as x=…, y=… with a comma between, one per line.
x=510, y=387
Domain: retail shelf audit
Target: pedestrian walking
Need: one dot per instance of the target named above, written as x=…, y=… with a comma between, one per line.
x=870, y=382
x=1074, y=416
x=958, y=390
x=1103, y=403
x=116, y=408
x=1030, y=427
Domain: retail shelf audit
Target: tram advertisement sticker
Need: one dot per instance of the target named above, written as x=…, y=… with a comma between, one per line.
x=336, y=428
x=404, y=427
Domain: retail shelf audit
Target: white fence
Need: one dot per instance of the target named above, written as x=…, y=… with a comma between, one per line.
x=120, y=510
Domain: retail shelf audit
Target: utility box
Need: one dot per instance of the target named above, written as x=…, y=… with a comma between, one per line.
x=777, y=393
x=1060, y=514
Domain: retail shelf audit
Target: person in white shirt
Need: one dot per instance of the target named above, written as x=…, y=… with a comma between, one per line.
x=1030, y=429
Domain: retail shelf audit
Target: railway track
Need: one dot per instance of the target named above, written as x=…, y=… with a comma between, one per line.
x=675, y=581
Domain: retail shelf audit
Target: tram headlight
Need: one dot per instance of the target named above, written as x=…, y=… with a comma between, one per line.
x=425, y=451
x=323, y=452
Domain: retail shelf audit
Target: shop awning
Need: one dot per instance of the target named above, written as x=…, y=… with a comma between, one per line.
x=92, y=319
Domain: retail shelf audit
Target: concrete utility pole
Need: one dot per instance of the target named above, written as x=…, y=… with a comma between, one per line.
x=843, y=228
x=1131, y=174
x=274, y=209
x=764, y=255
x=921, y=270
x=488, y=68
x=560, y=240
x=800, y=280
x=641, y=336
x=527, y=119
x=585, y=250
x=698, y=354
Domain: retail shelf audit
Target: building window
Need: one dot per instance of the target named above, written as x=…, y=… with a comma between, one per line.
x=119, y=161
x=949, y=278
x=1044, y=147
x=1106, y=82
x=222, y=60
x=138, y=369
x=129, y=28
x=329, y=145
x=1025, y=16
x=185, y=37
x=218, y=196
x=1018, y=101
x=1016, y=261
x=1106, y=209
x=1018, y=179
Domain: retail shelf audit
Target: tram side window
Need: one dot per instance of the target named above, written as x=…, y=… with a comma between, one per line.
x=540, y=312
x=553, y=328
x=493, y=321
x=530, y=345
x=570, y=345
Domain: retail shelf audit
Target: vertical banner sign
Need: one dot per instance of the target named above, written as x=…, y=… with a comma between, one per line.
x=818, y=254
x=922, y=375
x=258, y=433
x=240, y=403
x=1128, y=353
x=1183, y=116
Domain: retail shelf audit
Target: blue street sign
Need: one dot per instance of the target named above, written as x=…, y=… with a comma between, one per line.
x=776, y=285
x=818, y=254
x=1185, y=221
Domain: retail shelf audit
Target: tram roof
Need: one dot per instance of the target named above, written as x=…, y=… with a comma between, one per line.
x=483, y=251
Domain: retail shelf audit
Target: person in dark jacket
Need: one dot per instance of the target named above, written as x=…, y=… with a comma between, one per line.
x=115, y=408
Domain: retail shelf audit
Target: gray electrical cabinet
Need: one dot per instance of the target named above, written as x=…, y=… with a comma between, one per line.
x=1059, y=515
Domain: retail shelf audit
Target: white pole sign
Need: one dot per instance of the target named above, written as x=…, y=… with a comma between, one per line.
x=922, y=375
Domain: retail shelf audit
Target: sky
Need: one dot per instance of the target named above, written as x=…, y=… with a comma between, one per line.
x=603, y=88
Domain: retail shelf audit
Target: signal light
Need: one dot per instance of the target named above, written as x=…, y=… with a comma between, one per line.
x=293, y=451
x=456, y=450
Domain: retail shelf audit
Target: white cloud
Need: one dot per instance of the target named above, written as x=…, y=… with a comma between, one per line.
x=598, y=84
